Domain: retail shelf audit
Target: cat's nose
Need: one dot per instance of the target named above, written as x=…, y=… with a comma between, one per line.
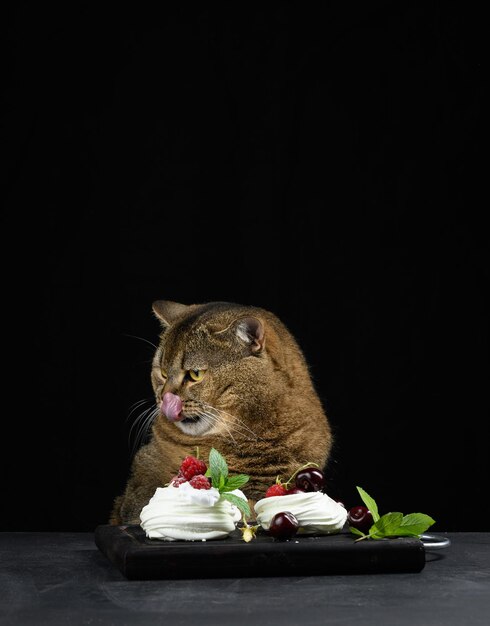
x=172, y=407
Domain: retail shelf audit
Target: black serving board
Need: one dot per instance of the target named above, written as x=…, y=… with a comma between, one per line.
x=139, y=558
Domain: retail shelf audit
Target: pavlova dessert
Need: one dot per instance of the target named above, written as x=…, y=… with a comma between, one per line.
x=198, y=504
x=302, y=508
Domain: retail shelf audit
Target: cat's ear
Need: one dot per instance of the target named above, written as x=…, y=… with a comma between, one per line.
x=251, y=331
x=168, y=311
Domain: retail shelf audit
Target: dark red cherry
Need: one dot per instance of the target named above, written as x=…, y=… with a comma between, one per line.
x=360, y=517
x=293, y=490
x=310, y=479
x=283, y=525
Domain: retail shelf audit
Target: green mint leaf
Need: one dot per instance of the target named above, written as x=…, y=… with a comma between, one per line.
x=235, y=482
x=370, y=503
x=215, y=475
x=240, y=503
x=218, y=467
x=392, y=524
x=415, y=524
x=386, y=526
x=208, y=473
x=216, y=460
x=356, y=531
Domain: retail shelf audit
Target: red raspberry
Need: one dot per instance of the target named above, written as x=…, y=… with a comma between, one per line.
x=191, y=466
x=199, y=482
x=275, y=490
x=177, y=480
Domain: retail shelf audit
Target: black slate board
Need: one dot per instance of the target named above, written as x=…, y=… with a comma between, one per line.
x=139, y=558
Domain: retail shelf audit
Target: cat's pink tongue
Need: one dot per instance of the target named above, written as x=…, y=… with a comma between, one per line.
x=172, y=407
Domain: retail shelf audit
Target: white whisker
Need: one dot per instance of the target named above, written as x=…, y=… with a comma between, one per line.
x=210, y=416
x=142, y=425
x=135, y=406
x=241, y=429
x=237, y=423
x=141, y=339
x=141, y=417
x=238, y=426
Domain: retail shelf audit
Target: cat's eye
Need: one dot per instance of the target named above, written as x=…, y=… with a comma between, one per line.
x=196, y=375
x=164, y=373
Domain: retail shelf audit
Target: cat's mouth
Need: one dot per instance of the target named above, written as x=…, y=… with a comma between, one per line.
x=193, y=423
x=185, y=415
x=189, y=419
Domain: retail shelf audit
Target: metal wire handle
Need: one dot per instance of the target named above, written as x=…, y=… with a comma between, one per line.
x=435, y=542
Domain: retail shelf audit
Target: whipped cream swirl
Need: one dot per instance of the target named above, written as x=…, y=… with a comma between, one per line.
x=315, y=511
x=189, y=514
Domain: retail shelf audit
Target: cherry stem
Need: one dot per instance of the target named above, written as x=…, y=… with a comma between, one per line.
x=299, y=470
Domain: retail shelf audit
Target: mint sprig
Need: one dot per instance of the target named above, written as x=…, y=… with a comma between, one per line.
x=391, y=524
x=218, y=472
x=370, y=503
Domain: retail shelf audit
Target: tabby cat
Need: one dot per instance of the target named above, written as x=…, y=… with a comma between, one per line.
x=231, y=377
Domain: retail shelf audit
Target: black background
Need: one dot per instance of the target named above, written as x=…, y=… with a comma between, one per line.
x=323, y=164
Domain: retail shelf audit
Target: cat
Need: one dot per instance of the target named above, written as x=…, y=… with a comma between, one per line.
x=231, y=377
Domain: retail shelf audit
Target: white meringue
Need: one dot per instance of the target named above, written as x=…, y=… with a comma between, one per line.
x=315, y=511
x=189, y=514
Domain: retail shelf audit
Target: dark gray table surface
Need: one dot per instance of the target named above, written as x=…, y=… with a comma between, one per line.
x=62, y=578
